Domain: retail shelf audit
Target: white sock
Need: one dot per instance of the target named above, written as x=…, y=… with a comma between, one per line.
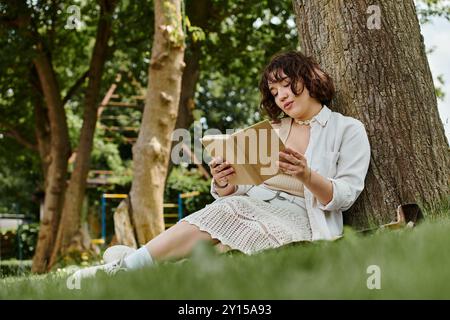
x=139, y=259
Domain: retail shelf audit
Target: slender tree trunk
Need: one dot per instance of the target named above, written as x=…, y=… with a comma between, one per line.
x=70, y=219
x=43, y=136
x=199, y=13
x=151, y=153
x=383, y=78
x=188, y=85
x=57, y=170
x=41, y=124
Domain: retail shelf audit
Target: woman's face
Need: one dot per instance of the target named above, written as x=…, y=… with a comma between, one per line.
x=294, y=106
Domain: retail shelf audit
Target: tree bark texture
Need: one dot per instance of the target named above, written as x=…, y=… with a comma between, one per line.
x=199, y=13
x=123, y=227
x=71, y=214
x=382, y=78
x=43, y=135
x=57, y=169
x=151, y=153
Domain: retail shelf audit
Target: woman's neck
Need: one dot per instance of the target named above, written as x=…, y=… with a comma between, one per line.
x=313, y=109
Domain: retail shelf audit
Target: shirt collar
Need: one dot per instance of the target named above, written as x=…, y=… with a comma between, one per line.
x=285, y=126
x=323, y=116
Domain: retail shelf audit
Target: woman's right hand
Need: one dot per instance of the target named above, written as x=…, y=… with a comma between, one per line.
x=221, y=171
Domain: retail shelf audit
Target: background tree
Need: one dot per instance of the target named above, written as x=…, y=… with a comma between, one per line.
x=377, y=58
x=39, y=30
x=23, y=20
x=151, y=153
x=71, y=213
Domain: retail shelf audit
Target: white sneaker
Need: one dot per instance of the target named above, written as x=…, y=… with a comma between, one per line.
x=117, y=252
x=110, y=269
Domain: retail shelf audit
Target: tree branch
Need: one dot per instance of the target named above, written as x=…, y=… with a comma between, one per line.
x=16, y=135
x=75, y=87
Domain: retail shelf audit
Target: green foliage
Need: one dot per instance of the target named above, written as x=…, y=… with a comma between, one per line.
x=70, y=51
x=19, y=243
x=427, y=9
x=27, y=236
x=440, y=94
x=195, y=32
x=432, y=8
x=183, y=180
x=19, y=179
x=107, y=155
x=173, y=27
x=236, y=48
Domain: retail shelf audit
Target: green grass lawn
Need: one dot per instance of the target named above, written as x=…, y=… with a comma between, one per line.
x=414, y=264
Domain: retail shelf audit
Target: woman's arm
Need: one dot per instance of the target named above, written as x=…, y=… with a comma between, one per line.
x=294, y=163
x=352, y=167
x=321, y=187
x=341, y=191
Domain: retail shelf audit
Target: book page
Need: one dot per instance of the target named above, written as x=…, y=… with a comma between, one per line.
x=215, y=145
x=261, y=145
x=252, y=152
x=225, y=147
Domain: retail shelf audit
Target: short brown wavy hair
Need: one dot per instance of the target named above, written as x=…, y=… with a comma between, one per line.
x=298, y=67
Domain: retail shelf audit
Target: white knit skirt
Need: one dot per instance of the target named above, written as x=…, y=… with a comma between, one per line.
x=252, y=225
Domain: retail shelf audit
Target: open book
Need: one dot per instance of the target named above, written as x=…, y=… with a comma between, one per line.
x=252, y=152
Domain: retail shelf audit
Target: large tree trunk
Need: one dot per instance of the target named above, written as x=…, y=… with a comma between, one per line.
x=151, y=153
x=70, y=219
x=57, y=170
x=382, y=78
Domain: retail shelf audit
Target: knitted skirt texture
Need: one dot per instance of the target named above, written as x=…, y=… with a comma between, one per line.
x=252, y=225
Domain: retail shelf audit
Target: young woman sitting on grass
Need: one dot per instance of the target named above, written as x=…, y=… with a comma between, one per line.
x=321, y=174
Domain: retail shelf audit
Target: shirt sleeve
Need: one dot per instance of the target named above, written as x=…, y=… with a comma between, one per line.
x=240, y=190
x=353, y=163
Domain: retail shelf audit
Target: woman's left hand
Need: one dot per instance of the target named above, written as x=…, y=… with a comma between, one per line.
x=294, y=163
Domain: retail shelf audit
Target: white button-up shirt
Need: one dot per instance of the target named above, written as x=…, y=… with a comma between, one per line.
x=338, y=150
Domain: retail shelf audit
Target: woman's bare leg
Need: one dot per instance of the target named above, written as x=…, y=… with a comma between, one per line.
x=177, y=242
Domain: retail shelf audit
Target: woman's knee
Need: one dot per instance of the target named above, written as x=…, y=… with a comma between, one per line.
x=193, y=232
